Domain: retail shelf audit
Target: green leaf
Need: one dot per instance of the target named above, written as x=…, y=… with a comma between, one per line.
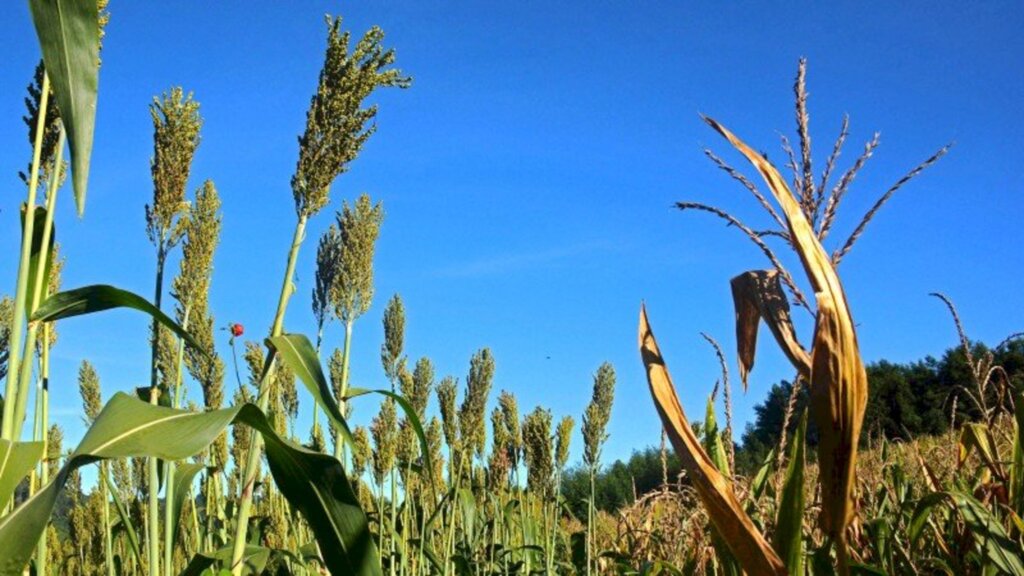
x=184, y=473
x=788, y=540
x=69, y=36
x=39, y=216
x=16, y=460
x=760, y=481
x=1017, y=465
x=254, y=559
x=315, y=484
x=1003, y=551
x=126, y=521
x=410, y=415
x=297, y=352
x=100, y=297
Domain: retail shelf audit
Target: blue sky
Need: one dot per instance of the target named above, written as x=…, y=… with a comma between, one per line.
x=529, y=175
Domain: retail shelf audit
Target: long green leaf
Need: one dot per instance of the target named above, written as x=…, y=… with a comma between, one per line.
x=126, y=521
x=315, y=484
x=184, y=473
x=100, y=297
x=39, y=215
x=298, y=353
x=69, y=36
x=254, y=559
x=1017, y=462
x=788, y=540
x=16, y=460
x=1003, y=551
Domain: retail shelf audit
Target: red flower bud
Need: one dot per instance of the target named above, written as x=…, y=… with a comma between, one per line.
x=237, y=330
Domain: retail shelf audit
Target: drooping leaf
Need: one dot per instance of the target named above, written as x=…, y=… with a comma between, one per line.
x=315, y=484
x=979, y=436
x=1017, y=464
x=996, y=545
x=297, y=352
x=788, y=538
x=16, y=460
x=100, y=297
x=747, y=544
x=69, y=36
x=757, y=295
x=39, y=216
x=254, y=559
x=839, y=386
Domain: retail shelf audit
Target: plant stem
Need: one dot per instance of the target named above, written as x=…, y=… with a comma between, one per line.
x=590, y=522
x=43, y=414
x=339, y=446
x=256, y=441
x=37, y=289
x=169, y=466
x=153, y=465
x=14, y=350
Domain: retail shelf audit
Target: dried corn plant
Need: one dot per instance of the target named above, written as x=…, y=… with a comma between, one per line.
x=831, y=366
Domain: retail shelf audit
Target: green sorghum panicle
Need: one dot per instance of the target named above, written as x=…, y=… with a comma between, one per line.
x=337, y=125
x=89, y=388
x=474, y=404
x=176, y=124
x=597, y=414
x=563, y=436
x=394, y=339
x=538, y=450
x=359, y=226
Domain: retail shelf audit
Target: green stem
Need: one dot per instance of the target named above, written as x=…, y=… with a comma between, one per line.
x=590, y=522
x=339, y=446
x=256, y=441
x=38, y=286
x=108, y=540
x=169, y=466
x=43, y=416
x=14, y=350
x=153, y=465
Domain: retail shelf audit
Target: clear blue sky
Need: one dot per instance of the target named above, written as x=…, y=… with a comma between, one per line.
x=529, y=175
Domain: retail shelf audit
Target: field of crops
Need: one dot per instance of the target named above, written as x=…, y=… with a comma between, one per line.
x=437, y=484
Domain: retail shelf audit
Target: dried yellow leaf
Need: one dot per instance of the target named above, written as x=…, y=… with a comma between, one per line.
x=758, y=294
x=746, y=543
x=838, y=380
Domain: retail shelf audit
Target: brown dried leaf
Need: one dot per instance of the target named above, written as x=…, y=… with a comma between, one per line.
x=838, y=380
x=749, y=547
x=839, y=387
x=757, y=294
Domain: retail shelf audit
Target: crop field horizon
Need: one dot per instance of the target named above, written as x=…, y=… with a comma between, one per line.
x=376, y=292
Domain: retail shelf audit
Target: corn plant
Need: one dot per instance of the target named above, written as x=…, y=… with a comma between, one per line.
x=831, y=366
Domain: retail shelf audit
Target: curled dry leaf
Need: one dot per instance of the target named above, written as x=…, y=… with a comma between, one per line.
x=757, y=294
x=838, y=380
x=749, y=547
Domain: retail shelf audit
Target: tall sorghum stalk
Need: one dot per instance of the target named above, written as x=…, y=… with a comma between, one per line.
x=92, y=402
x=352, y=291
x=336, y=129
x=191, y=289
x=563, y=436
x=394, y=368
x=176, y=125
x=595, y=422
x=14, y=386
x=42, y=412
x=328, y=266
